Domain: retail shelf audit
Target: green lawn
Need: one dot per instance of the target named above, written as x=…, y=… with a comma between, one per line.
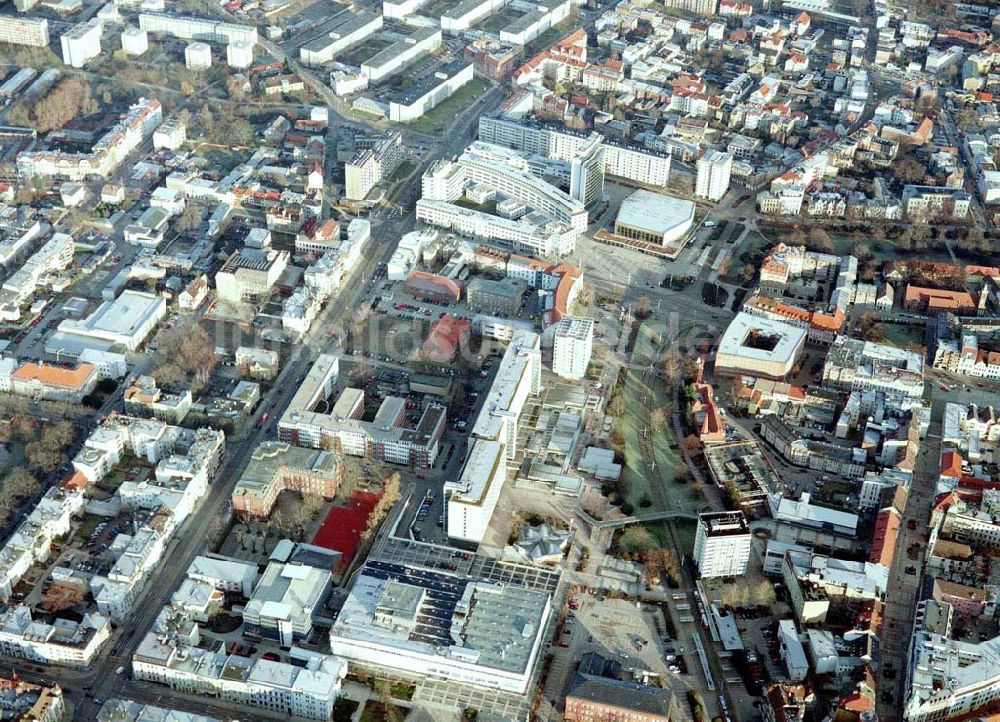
x=685, y=530
x=441, y=117
x=405, y=168
x=899, y=335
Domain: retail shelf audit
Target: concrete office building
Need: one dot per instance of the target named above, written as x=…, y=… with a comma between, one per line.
x=586, y=172
x=412, y=103
x=80, y=44
x=446, y=625
x=473, y=497
x=572, y=344
x=198, y=56
x=24, y=31
x=758, y=346
x=714, y=169
x=126, y=322
x=508, y=174
x=495, y=297
x=722, y=544
x=284, y=601
x=377, y=160
x=350, y=29
x=309, y=421
x=396, y=57
x=654, y=218
x=250, y=274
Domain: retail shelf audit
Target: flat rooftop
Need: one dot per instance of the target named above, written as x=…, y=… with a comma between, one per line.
x=442, y=74
x=745, y=333
x=466, y=620
x=124, y=316
x=516, y=362
x=479, y=472
x=724, y=523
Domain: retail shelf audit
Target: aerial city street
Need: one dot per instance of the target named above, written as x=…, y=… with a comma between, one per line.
x=499, y=360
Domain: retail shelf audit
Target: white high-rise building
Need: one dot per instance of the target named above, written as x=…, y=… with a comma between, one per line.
x=24, y=31
x=572, y=344
x=714, y=169
x=239, y=54
x=80, y=44
x=135, y=41
x=198, y=56
x=722, y=544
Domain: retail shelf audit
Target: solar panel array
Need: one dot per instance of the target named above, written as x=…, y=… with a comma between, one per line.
x=442, y=593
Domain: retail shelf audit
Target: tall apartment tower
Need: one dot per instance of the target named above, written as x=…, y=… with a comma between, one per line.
x=571, y=347
x=80, y=44
x=722, y=544
x=714, y=169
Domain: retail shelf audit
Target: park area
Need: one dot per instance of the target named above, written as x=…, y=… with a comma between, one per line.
x=653, y=469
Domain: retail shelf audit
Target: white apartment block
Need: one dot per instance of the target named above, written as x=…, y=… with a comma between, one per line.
x=473, y=497
x=714, y=169
x=534, y=22
x=198, y=56
x=239, y=54
x=250, y=274
x=508, y=174
x=397, y=56
x=465, y=14
x=193, y=28
x=80, y=44
x=369, y=166
x=722, y=544
x=413, y=103
x=351, y=29
x=135, y=41
x=572, y=344
x=24, y=31
x=518, y=377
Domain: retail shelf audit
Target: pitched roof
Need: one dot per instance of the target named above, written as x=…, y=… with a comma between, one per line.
x=55, y=376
